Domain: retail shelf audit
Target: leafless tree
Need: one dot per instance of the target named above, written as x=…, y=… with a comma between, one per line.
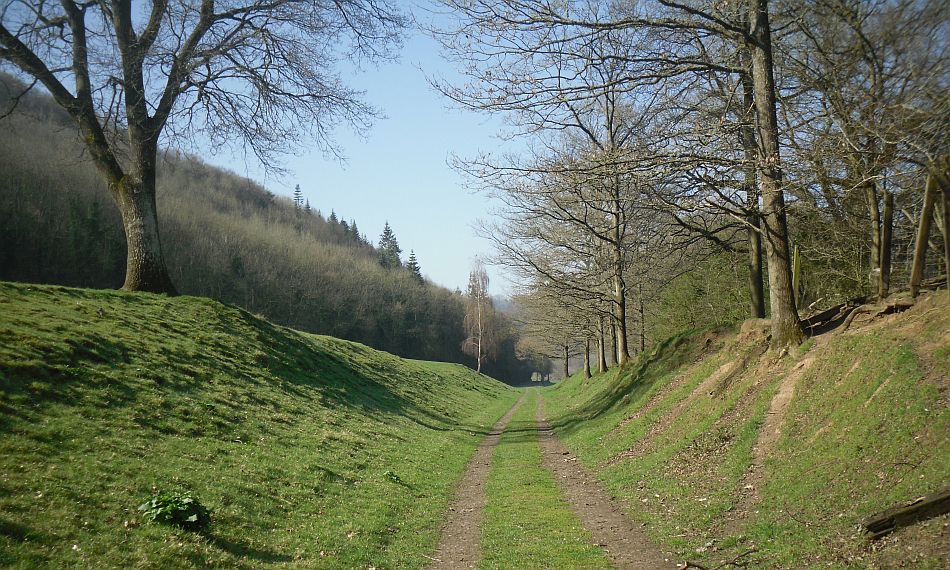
x=251, y=72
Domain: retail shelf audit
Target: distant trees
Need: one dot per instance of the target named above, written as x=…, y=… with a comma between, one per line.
x=412, y=264
x=253, y=71
x=388, y=248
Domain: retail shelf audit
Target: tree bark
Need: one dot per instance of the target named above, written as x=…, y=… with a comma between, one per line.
x=923, y=231
x=601, y=347
x=145, y=265
x=874, y=212
x=613, y=344
x=786, y=327
x=567, y=361
x=754, y=231
x=587, y=373
x=887, y=239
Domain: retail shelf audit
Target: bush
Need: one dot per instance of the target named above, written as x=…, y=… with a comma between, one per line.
x=180, y=509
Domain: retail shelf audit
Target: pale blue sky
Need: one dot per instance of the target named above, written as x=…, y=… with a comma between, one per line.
x=400, y=173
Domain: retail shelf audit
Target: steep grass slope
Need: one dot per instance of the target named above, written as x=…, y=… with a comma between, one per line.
x=720, y=448
x=311, y=451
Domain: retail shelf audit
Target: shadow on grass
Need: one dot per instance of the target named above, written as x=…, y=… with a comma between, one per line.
x=239, y=550
x=631, y=382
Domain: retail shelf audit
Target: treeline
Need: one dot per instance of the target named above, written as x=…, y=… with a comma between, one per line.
x=224, y=237
x=697, y=164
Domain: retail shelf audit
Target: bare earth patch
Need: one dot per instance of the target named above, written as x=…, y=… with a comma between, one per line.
x=624, y=542
x=460, y=545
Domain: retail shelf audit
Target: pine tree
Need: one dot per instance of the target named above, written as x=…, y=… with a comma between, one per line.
x=355, y=232
x=333, y=219
x=298, y=198
x=306, y=206
x=389, y=248
x=413, y=266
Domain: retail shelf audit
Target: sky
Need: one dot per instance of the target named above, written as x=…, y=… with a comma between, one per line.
x=399, y=172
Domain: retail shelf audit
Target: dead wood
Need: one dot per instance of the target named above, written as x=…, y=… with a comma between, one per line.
x=738, y=562
x=906, y=514
x=878, y=310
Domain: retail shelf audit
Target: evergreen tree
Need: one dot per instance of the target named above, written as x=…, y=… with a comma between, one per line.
x=333, y=219
x=389, y=249
x=306, y=206
x=298, y=198
x=413, y=266
x=355, y=232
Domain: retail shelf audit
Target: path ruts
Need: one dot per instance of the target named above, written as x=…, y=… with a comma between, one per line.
x=459, y=546
x=625, y=543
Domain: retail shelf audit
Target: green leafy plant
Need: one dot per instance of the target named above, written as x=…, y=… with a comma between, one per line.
x=178, y=508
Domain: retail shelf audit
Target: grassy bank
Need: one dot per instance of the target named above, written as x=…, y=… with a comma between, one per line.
x=310, y=450
x=868, y=426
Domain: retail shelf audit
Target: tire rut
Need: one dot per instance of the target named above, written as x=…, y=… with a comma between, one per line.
x=624, y=542
x=460, y=544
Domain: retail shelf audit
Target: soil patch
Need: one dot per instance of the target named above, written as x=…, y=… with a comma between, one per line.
x=460, y=545
x=624, y=542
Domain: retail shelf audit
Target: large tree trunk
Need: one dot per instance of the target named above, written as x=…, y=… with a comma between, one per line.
x=887, y=239
x=786, y=327
x=754, y=231
x=145, y=265
x=620, y=308
x=923, y=232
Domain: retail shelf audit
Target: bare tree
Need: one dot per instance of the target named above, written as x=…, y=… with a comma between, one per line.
x=251, y=71
x=480, y=322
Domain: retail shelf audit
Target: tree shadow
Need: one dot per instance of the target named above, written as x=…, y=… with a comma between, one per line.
x=239, y=550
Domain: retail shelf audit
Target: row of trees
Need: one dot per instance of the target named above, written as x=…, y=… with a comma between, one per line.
x=669, y=140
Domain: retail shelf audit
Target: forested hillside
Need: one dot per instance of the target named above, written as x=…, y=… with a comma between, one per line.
x=224, y=237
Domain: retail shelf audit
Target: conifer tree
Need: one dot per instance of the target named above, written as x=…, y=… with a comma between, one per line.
x=413, y=266
x=389, y=248
x=298, y=198
x=333, y=219
x=306, y=206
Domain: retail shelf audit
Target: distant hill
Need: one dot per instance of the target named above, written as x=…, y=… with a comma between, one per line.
x=224, y=237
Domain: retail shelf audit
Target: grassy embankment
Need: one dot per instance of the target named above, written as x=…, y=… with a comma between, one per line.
x=868, y=426
x=528, y=523
x=310, y=450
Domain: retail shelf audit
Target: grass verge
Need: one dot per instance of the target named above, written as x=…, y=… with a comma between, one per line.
x=868, y=426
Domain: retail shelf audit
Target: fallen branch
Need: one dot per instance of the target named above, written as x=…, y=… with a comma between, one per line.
x=906, y=514
x=876, y=310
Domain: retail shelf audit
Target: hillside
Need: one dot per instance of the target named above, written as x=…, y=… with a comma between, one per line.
x=719, y=448
x=309, y=450
x=224, y=237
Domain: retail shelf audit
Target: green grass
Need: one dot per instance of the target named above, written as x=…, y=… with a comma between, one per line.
x=867, y=428
x=528, y=523
x=311, y=451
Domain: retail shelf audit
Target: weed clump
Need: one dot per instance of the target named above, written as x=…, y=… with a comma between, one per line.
x=179, y=509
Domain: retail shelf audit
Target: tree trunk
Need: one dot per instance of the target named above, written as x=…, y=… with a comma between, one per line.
x=874, y=211
x=945, y=193
x=887, y=239
x=923, y=231
x=587, y=373
x=601, y=347
x=643, y=321
x=145, y=264
x=567, y=362
x=620, y=306
x=754, y=231
x=613, y=343
x=786, y=327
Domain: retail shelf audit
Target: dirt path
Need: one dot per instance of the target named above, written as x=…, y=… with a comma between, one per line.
x=625, y=543
x=459, y=546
